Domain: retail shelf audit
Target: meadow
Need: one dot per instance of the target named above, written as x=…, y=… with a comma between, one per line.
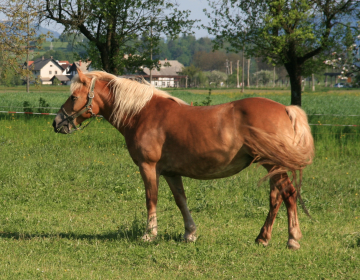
x=73, y=206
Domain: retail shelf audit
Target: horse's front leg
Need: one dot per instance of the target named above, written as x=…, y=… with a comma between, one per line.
x=151, y=182
x=177, y=188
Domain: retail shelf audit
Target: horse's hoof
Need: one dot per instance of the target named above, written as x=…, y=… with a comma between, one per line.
x=190, y=237
x=148, y=237
x=264, y=242
x=293, y=244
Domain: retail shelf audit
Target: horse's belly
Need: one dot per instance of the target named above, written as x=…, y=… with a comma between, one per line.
x=208, y=168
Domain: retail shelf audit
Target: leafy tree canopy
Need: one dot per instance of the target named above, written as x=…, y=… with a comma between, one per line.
x=18, y=36
x=114, y=28
x=285, y=32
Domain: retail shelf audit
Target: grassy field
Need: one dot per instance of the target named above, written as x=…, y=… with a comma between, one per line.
x=73, y=207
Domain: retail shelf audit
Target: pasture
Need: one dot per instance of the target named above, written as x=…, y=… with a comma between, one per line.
x=73, y=206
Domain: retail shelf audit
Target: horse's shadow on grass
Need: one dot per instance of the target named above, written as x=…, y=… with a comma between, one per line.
x=131, y=233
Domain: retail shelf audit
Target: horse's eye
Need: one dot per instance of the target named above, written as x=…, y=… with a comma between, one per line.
x=73, y=98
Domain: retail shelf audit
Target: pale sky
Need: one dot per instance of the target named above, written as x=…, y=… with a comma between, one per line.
x=196, y=7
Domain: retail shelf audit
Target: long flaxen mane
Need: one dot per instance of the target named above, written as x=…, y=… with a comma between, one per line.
x=129, y=96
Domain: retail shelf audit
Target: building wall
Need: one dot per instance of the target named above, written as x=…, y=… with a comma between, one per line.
x=49, y=70
x=163, y=82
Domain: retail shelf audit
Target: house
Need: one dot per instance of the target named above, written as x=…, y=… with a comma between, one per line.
x=167, y=74
x=84, y=66
x=45, y=69
x=64, y=79
x=65, y=65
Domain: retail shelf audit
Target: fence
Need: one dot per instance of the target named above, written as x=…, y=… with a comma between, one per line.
x=54, y=114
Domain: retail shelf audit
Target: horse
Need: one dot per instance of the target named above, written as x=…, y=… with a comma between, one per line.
x=167, y=137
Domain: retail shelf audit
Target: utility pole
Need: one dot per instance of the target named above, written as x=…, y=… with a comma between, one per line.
x=274, y=78
x=248, y=72
x=243, y=58
x=237, y=74
x=243, y=62
x=27, y=53
x=227, y=71
x=257, y=72
x=151, y=32
x=313, y=80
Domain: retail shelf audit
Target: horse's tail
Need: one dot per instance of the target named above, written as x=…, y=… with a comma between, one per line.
x=286, y=153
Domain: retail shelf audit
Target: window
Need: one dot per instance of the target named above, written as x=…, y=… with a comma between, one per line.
x=50, y=72
x=51, y=65
x=55, y=72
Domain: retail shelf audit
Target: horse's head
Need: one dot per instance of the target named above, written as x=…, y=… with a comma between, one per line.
x=78, y=107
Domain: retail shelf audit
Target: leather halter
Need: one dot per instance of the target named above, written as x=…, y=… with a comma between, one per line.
x=87, y=108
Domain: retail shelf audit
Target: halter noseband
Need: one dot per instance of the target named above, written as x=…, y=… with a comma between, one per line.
x=87, y=108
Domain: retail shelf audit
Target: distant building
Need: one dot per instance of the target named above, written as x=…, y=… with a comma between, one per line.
x=64, y=79
x=168, y=74
x=65, y=65
x=84, y=66
x=45, y=69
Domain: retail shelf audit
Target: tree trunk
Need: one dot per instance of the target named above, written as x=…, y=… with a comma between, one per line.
x=294, y=72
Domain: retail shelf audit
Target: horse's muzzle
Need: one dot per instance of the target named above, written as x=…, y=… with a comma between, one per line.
x=64, y=129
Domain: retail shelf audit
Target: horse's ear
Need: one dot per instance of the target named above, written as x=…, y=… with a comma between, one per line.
x=83, y=79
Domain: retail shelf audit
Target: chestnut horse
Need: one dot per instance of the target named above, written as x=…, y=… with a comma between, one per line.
x=165, y=136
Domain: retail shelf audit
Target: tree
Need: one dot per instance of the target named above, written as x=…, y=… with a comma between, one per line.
x=190, y=71
x=208, y=61
x=216, y=77
x=285, y=32
x=18, y=36
x=263, y=77
x=114, y=27
x=346, y=57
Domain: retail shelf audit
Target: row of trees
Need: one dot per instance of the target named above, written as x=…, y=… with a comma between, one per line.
x=198, y=78
x=297, y=34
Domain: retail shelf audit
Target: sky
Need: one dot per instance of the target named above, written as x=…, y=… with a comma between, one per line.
x=195, y=6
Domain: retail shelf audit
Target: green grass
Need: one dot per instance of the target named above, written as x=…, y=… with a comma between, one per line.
x=73, y=207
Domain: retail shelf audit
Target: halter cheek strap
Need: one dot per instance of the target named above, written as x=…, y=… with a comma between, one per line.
x=87, y=108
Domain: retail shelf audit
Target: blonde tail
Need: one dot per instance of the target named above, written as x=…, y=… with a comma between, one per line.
x=286, y=153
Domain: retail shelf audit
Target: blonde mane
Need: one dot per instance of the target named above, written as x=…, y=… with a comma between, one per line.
x=129, y=96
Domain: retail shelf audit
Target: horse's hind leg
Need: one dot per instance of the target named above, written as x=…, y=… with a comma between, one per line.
x=275, y=202
x=177, y=188
x=280, y=184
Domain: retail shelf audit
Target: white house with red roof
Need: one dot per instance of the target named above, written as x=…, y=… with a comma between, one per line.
x=45, y=69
